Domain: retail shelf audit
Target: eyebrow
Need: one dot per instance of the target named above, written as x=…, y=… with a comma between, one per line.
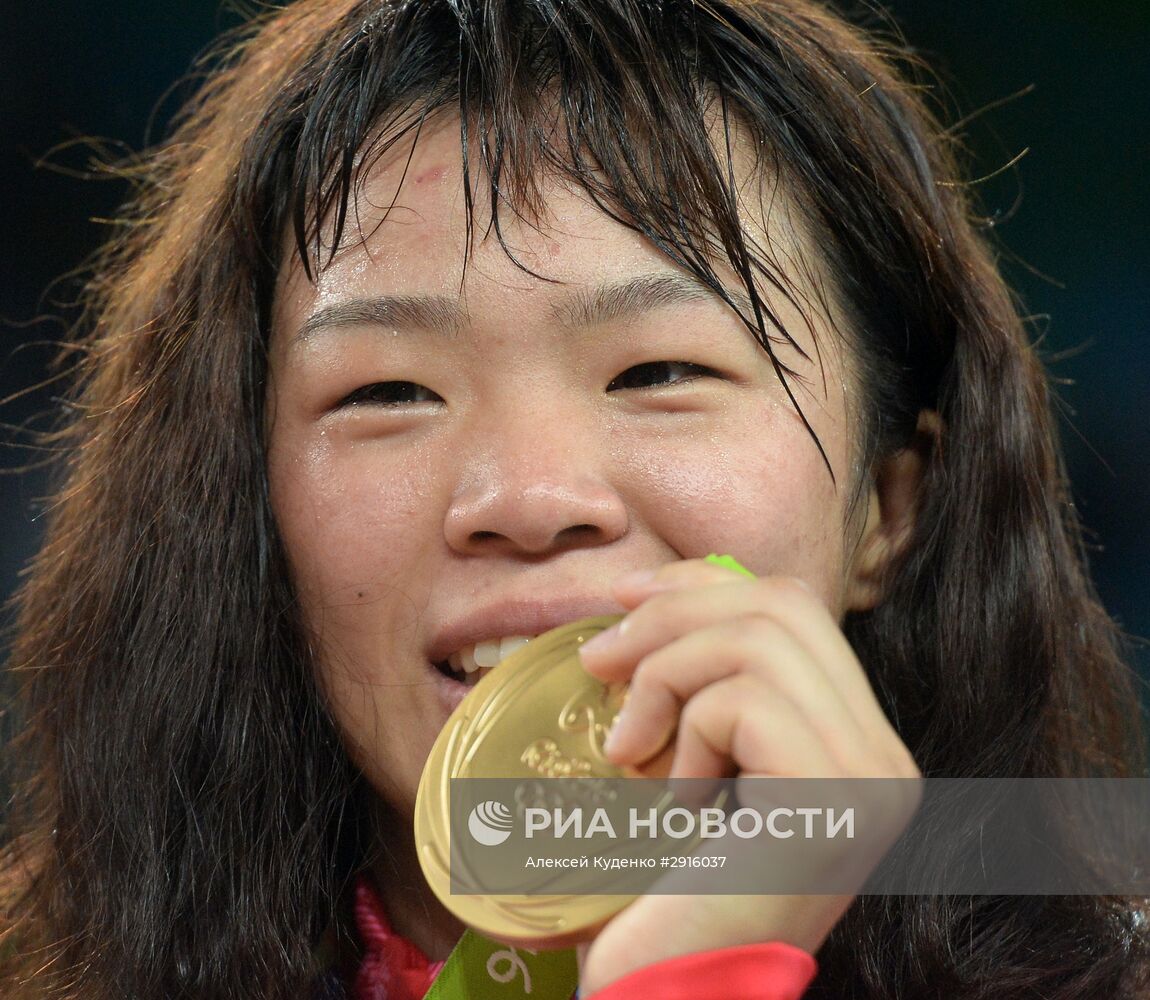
x=435, y=313
x=630, y=298
x=444, y=316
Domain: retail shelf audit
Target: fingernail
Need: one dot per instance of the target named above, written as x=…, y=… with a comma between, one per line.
x=600, y=642
x=613, y=733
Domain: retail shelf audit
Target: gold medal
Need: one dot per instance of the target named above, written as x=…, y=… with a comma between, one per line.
x=539, y=714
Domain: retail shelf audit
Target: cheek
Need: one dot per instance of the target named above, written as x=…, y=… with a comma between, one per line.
x=766, y=499
x=356, y=530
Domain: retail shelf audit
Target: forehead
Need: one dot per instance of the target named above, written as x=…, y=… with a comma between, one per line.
x=410, y=228
x=412, y=231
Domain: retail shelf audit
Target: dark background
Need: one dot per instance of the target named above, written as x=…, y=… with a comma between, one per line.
x=1073, y=213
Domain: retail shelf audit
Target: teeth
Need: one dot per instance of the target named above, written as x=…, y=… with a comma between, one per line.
x=511, y=643
x=487, y=653
x=472, y=662
x=463, y=661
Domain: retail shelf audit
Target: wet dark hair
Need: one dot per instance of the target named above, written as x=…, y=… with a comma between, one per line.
x=189, y=819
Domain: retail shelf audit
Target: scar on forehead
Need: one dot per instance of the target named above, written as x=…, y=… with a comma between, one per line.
x=430, y=175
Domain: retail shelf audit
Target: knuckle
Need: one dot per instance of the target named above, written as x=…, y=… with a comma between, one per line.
x=694, y=714
x=645, y=677
x=795, y=585
x=749, y=639
x=788, y=591
x=701, y=709
x=791, y=586
x=746, y=634
x=640, y=679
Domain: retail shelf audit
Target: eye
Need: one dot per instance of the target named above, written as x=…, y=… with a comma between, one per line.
x=654, y=373
x=391, y=394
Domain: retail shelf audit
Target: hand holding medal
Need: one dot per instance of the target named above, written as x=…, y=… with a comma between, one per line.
x=750, y=677
x=721, y=674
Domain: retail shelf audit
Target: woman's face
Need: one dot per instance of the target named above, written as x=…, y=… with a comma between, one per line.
x=461, y=455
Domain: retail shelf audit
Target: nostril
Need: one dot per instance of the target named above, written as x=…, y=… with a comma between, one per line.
x=535, y=520
x=575, y=530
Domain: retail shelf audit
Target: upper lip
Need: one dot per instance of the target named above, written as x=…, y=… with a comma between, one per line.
x=529, y=617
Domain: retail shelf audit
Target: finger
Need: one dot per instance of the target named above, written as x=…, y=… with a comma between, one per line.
x=613, y=655
x=738, y=721
x=632, y=588
x=669, y=677
x=666, y=615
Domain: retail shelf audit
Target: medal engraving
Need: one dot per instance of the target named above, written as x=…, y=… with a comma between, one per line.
x=545, y=757
x=592, y=711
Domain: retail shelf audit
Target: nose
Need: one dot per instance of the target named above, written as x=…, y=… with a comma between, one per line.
x=534, y=487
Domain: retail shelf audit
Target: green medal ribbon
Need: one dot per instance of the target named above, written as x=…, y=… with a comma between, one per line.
x=728, y=562
x=481, y=969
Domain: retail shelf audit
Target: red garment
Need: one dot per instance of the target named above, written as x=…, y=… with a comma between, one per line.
x=395, y=969
x=771, y=971
x=392, y=968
